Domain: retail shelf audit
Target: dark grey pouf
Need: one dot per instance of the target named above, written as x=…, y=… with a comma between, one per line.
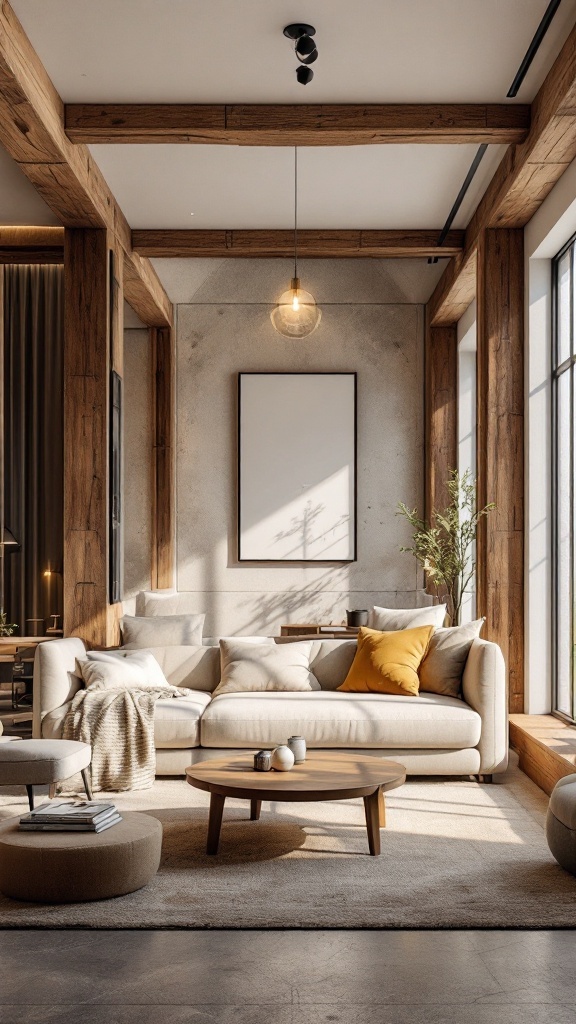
x=561, y=823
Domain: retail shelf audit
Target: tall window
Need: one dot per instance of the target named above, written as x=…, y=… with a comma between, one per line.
x=563, y=375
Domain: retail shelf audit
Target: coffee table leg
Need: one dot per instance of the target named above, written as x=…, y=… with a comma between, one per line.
x=371, y=807
x=381, y=809
x=255, y=806
x=215, y=822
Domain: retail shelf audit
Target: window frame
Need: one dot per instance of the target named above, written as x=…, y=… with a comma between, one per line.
x=558, y=370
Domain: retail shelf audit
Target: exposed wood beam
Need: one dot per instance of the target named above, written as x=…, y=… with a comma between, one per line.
x=31, y=245
x=325, y=243
x=163, y=459
x=297, y=124
x=454, y=291
x=441, y=357
x=500, y=447
x=526, y=175
x=89, y=346
x=65, y=175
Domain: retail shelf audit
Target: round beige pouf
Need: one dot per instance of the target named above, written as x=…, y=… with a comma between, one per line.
x=72, y=867
x=561, y=823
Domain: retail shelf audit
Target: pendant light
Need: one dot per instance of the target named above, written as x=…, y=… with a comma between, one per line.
x=296, y=314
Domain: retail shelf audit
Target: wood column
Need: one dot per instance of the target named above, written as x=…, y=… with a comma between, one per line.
x=92, y=344
x=163, y=457
x=441, y=412
x=500, y=447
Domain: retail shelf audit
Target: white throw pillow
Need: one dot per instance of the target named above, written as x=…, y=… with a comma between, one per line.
x=391, y=619
x=106, y=670
x=442, y=668
x=257, y=668
x=161, y=631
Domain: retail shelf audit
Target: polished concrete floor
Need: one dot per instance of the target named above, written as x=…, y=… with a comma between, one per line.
x=346, y=977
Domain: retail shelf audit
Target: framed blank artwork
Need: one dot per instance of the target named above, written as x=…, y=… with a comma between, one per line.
x=296, y=467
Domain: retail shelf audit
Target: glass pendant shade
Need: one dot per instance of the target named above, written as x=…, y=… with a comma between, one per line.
x=296, y=314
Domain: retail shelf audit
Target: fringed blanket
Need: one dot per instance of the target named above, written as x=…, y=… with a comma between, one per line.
x=119, y=726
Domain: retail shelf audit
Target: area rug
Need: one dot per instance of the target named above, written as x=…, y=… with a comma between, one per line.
x=455, y=854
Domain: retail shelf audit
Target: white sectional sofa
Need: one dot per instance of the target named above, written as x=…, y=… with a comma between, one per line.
x=429, y=734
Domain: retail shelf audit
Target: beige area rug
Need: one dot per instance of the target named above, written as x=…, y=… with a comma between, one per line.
x=454, y=854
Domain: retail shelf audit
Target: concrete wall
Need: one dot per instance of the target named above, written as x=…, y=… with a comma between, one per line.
x=372, y=322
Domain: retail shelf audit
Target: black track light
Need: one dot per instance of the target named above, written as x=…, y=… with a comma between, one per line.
x=304, y=48
x=304, y=75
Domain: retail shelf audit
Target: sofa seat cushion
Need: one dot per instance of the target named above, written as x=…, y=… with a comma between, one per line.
x=176, y=721
x=330, y=719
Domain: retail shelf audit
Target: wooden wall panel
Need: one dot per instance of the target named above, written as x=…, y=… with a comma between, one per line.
x=441, y=412
x=89, y=324
x=163, y=459
x=500, y=447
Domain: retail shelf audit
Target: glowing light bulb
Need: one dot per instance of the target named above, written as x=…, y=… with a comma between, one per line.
x=295, y=303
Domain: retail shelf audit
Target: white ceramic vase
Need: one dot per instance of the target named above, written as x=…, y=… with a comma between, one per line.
x=282, y=759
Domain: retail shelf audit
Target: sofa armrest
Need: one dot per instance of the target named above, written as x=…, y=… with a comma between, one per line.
x=55, y=679
x=484, y=689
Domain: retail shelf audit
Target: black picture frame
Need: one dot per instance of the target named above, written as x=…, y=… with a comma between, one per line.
x=295, y=561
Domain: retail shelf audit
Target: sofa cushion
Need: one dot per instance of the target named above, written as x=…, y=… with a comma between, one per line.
x=176, y=722
x=194, y=667
x=407, y=618
x=161, y=630
x=388, y=662
x=330, y=719
x=442, y=668
x=330, y=661
x=248, y=667
x=122, y=669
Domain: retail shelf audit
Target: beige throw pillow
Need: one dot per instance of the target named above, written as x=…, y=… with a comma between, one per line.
x=259, y=668
x=442, y=668
x=389, y=619
x=105, y=670
x=161, y=630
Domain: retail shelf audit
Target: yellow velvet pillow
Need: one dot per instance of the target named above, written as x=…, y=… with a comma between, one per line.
x=388, y=662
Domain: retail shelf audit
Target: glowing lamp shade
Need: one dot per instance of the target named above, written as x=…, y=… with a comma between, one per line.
x=296, y=315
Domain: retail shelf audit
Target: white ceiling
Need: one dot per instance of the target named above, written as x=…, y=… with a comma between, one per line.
x=253, y=187
x=233, y=51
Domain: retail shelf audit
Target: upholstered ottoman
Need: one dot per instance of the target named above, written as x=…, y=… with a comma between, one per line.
x=561, y=823
x=72, y=867
x=43, y=762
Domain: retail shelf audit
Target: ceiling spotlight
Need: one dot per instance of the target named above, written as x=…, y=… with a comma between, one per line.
x=304, y=75
x=304, y=47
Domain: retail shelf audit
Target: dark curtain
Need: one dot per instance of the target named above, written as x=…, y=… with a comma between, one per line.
x=33, y=444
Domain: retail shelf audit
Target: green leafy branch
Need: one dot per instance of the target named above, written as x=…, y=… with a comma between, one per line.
x=444, y=546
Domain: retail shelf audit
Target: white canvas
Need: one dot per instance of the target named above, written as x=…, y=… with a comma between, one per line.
x=297, y=466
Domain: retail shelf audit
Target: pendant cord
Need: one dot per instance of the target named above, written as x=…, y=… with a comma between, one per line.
x=295, y=211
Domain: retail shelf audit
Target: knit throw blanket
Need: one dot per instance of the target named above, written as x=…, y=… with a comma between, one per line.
x=119, y=726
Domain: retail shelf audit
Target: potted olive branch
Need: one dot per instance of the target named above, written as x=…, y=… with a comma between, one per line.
x=444, y=546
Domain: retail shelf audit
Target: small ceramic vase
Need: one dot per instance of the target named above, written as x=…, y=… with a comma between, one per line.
x=263, y=761
x=282, y=759
x=297, y=745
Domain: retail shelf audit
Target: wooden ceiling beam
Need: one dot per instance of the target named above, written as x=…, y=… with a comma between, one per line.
x=325, y=244
x=297, y=124
x=65, y=175
x=526, y=175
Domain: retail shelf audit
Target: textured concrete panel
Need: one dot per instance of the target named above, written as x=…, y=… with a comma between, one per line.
x=343, y=280
x=216, y=339
x=137, y=410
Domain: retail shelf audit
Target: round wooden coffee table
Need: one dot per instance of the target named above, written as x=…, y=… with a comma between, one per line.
x=323, y=776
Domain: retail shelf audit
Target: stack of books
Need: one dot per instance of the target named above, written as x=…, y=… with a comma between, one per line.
x=64, y=816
